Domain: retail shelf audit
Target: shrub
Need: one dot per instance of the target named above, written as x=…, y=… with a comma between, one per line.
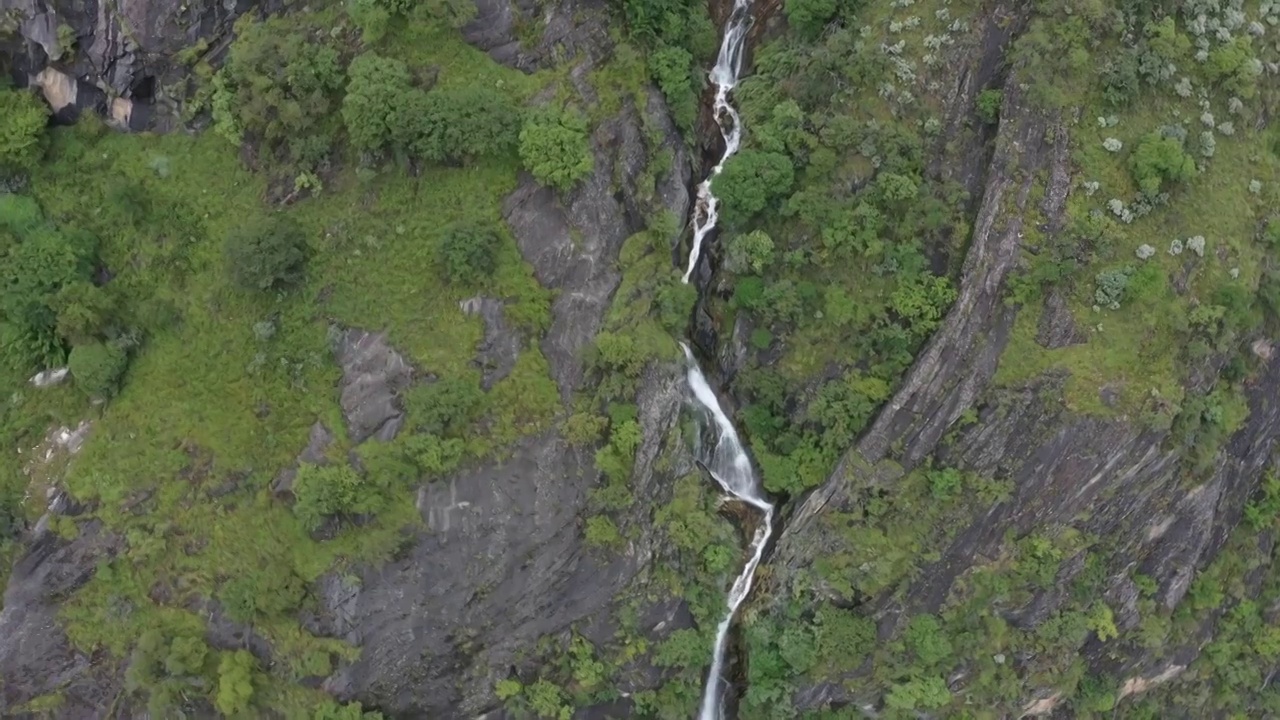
x=1159, y=159
x=457, y=125
x=808, y=17
x=235, y=682
x=1111, y=286
x=989, y=103
x=469, y=253
x=269, y=253
x=1235, y=66
x=324, y=490
x=377, y=92
x=555, y=147
x=22, y=121
x=749, y=182
x=277, y=84
x=97, y=367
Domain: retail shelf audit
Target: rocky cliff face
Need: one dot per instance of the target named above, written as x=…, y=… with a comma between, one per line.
x=501, y=561
x=120, y=60
x=504, y=563
x=1116, y=479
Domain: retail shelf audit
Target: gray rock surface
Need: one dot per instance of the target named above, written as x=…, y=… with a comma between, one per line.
x=123, y=50
x=572, y=240
x=500, y=348
x=373, y=376
x=318, y=441
x=36, y=657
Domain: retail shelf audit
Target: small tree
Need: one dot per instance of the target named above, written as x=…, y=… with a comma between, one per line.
x=469, y=253
x=749, y=181
x=555, y=147
x=456, y=125
x=749, y=253
x=324, y=490
x=989, y=103
x=1159, y=159
x=22, y=121
x=808, y=17
x=269, y=253
x=97, y=367
x=377, y=94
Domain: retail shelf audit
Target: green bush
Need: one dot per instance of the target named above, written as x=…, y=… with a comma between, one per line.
x=445, y=407
x=989, y=103
x=321, y=491
x=278, y=84
x=262, y=594
x=378, y=94
x=808, y=17
x=269, y=253
x=97, y=367
x=469, y=253
x=669, y=67
x=462, y=124
x=235, y=682
x=1160, y=159
x=556, y=148
x=23, y=118
x=749, y=182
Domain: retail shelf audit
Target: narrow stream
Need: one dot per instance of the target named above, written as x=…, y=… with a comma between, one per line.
x=726, y=459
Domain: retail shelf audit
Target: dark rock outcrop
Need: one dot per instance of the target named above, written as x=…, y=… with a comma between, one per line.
x=36, y=657
x=498, y=351
x=373, y=376
x=118, y=59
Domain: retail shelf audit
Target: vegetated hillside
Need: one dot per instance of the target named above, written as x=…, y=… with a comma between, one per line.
x=373, y=395
x=1046, y=516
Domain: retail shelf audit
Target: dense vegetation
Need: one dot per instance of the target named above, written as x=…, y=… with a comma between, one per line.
x=195, y=286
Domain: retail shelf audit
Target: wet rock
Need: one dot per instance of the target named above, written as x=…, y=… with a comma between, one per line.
x=373, y=376
x=1057, y=325
x=314, y=453
x=498, y=351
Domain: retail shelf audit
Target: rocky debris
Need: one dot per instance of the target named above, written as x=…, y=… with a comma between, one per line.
x=1057, y=325
x=498, y=351
x=373, y=376
x=36, y=657
x=318, y=442
x=49, y=378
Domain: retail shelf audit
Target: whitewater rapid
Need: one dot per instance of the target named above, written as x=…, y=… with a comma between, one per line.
x=728, y=463
x=724, y=76
x=726, y=459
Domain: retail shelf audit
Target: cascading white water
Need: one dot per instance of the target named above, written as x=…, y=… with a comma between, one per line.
x=726, y=459
x=724, y=76
x=728, y=463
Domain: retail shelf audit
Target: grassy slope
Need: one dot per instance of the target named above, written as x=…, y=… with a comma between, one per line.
x=206, y=401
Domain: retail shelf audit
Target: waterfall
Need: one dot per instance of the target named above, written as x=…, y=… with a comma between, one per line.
x=729, y=464
x=724, y=75
x=726, y=459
